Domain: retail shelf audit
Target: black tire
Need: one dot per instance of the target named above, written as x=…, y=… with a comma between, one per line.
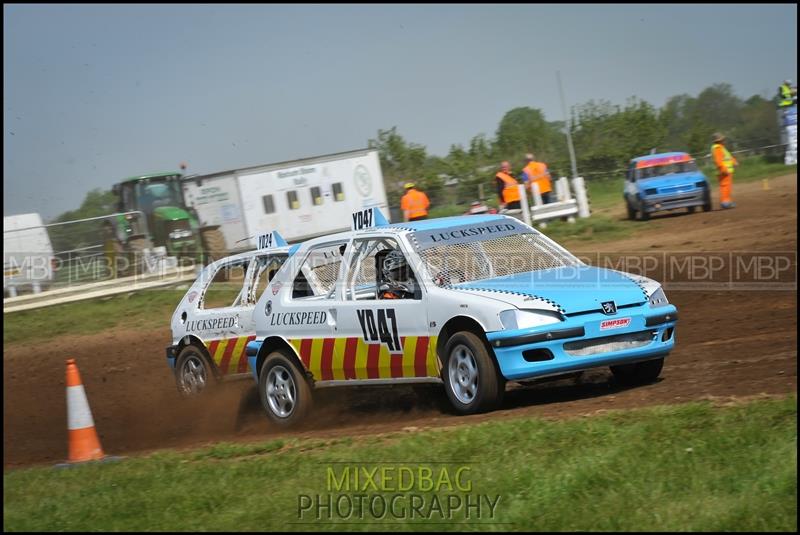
x=691, y=209
x=707, y=201
x=284, y=390
x=631, y=210
x=638, y=373
x=214, y=243
x=194, y=376
x=481, y=392
x=644, y=215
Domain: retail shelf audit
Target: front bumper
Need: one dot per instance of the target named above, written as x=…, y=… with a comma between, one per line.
x=251, y=350
x=653, y=203
x=579, y=343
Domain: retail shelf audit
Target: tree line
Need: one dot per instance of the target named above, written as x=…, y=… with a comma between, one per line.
x=605, y=137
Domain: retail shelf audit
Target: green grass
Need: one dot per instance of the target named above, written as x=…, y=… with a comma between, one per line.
x=597, y=228
x=692, y=467
x=142, y=309
x=605, y=193
x=753, y=168
x=447, y=210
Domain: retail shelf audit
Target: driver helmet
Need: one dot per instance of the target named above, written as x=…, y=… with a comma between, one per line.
x=395, y=267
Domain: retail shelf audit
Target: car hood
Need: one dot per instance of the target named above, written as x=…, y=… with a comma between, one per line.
x=170, y=213
x=672, y=181
x=569, y=290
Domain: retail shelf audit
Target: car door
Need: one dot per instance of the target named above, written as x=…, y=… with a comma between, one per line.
x=377, y=338
x=223, y=319
x=304, y=314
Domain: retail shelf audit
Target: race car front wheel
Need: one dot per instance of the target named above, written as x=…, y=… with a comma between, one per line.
x=631, y=210
x=285, y=392
x=193, y=375
x=638, y=373
x=471, y=379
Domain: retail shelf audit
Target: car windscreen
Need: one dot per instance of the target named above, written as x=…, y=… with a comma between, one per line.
x=472, y=260
x=666, y=169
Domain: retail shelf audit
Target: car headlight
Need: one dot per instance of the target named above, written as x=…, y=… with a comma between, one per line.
x=658, y=299
x=526, y=319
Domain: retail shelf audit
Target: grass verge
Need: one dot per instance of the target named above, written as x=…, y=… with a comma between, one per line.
x=142, y=309
x=693, y=467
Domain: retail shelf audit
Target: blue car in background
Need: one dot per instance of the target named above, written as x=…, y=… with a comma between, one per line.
x=665, y=181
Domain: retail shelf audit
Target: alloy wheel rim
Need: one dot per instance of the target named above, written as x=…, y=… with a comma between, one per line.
x=463, y=374
x=193, y=374
x=281, y=391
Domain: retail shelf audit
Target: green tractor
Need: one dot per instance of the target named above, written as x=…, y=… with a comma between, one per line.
x=167, y=220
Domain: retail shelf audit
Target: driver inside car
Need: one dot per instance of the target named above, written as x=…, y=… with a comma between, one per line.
x=398, y=280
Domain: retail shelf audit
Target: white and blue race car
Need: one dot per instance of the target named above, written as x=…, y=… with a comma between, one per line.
x=214, y=320
x=468, y=302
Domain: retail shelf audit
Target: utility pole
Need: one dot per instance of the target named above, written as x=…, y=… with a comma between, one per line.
x=566, y=121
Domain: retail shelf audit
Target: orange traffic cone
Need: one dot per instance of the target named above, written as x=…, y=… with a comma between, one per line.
x=83, y=442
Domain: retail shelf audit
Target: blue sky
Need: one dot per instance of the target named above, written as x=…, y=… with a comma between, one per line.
x=95, y=93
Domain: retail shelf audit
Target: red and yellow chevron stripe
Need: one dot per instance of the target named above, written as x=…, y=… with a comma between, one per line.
x=352, y=358
x=229, y=354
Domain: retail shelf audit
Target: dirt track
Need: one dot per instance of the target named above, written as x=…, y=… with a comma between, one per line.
x=730, y=343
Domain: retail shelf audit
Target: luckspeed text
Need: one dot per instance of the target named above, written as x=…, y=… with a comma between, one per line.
x=397, y=492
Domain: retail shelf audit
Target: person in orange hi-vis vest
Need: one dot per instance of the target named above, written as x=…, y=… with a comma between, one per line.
x=507, y=190
x=414, y=203
x=725, y=163
x=537, y=173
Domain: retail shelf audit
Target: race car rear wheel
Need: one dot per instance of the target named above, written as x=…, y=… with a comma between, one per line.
x=638, y=373
x=284, y=390
x=471, y=379
x=193, y=374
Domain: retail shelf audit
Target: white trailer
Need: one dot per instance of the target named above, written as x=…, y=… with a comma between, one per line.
x=27, y=254
x=301, y=199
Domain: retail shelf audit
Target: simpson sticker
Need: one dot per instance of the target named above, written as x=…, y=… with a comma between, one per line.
x=614, y=324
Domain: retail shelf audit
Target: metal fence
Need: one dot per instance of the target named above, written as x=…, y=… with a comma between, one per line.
x=82, y=251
